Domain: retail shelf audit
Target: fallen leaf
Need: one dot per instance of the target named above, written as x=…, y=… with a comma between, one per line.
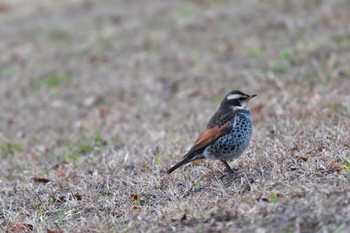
x=103, y=112
x=41, y=180
x=334, y=165
x=21, y=227
x=10, y=123
x=52, y=231
x=135, y=197
x=302, y=158
x=97, y=59
x=144, y=168
x=136, y=209
x=193, y=93
x=4, y=8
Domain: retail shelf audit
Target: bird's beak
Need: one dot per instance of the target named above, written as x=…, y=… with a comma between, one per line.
x=251, y=96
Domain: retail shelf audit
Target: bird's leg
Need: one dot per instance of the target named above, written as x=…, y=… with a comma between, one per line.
x=228, y=168
x=230, y=173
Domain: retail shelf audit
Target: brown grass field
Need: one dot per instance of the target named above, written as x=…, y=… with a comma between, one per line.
x=100, y=98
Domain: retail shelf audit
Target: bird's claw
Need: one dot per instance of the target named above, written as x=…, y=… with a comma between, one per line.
x=230, y=175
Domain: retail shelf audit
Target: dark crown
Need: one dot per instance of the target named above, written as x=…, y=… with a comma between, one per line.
x=234, y=98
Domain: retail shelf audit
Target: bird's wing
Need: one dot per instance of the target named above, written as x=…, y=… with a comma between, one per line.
x=213, y=132
x=208, y=136
x=217, y=126
x=204, y=139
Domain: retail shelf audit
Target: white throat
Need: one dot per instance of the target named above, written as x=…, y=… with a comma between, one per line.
x=244, y=105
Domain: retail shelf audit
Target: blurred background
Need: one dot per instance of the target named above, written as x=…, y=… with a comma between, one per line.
x=128, y=71
x=121, y=67
x=137, y=80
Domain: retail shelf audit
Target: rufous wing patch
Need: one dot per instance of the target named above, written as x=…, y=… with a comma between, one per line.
x=208, y=136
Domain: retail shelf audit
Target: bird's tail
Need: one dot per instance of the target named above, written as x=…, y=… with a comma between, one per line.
x=189, y=157
x=176, y=166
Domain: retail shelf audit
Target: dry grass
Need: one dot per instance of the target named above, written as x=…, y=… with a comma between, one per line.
x=100, y=98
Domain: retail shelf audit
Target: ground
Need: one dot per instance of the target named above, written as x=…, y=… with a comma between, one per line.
x=100, y=98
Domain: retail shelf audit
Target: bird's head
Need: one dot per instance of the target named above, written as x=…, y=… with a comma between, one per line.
x=236, y=100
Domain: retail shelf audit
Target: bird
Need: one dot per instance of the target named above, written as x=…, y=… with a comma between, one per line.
x=227, y=134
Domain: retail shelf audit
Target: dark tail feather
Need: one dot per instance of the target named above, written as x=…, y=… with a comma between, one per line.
x=190, y=156
x=183, y=162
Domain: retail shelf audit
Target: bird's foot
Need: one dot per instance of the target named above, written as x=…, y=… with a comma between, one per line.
x=231, y=174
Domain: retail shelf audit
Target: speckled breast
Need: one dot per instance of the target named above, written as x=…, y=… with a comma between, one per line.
x=234, y=142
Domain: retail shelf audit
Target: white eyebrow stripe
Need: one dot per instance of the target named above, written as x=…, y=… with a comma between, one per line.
x=233, y=96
